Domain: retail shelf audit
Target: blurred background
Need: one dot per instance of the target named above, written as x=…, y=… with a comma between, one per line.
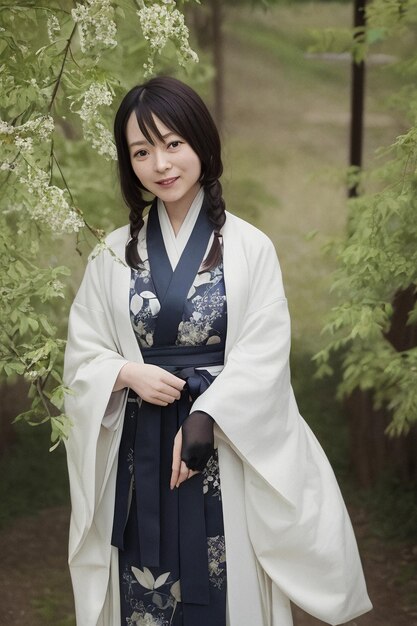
x=284, y=110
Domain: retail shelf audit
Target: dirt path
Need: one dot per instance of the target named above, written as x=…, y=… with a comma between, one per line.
x=35, y=586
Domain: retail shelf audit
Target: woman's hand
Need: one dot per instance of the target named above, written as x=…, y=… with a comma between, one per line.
x=152, y=383
x=180, y=471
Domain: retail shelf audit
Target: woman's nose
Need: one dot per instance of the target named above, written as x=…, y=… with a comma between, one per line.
x=162, y=162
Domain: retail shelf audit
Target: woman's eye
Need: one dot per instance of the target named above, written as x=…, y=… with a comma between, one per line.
x=175, y=144
x=140, y=153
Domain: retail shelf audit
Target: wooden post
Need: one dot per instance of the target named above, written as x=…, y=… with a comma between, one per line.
x=357, y=100
x=218, y=61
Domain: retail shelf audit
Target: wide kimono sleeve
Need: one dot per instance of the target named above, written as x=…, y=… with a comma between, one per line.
x=92, y=363
x=296, y=518
x=250, y=398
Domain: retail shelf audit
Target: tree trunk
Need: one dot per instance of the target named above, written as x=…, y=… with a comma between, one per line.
x=371, y=450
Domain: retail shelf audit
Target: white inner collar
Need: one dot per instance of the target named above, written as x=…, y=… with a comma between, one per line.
x=175, y=244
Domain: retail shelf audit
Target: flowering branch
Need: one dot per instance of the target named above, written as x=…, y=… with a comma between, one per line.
x=44, y=184
x=58, y=80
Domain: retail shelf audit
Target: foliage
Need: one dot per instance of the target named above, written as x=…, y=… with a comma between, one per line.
x=62, y=64
x=378, y=257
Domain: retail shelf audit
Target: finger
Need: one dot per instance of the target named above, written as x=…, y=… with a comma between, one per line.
x=176, y=460
x=156, y=402
x=174, y=476
x=173, y=381
x=163, y=397
x=183, y=475
x=168, y=390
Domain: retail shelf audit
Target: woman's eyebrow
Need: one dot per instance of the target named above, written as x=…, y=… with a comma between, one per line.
x=138, y=143
x=144, y=142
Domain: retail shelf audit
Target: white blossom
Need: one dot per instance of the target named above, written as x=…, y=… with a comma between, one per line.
x=6, y=166
x=25, y=144
x=98, y=94
x=54, y=27
x=95, y=131
x=101, y=140
x=42, y=127
x=161, y=24
x=39, y=129
x=46, y=127
x=97, y=28
x=6, y=128
x=48, y=204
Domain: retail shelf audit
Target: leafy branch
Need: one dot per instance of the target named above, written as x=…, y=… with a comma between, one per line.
x=56, y=182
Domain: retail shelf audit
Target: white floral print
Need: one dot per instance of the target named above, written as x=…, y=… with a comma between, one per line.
x=204, y=309
x=211, y=477
x=217, y=560
x=163, y=597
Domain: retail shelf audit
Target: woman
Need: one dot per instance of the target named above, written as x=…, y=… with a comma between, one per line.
x=191, y=470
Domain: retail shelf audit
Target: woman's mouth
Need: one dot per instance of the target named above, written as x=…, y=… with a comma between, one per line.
x=167, y=182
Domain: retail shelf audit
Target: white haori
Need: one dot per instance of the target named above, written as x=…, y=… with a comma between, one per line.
x=288, y=534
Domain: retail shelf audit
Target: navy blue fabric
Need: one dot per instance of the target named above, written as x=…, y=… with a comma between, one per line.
x=171, y=540
x=186, y=516
x=172, y=295
x=144, y=435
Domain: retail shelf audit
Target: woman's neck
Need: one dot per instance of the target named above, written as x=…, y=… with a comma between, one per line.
x=178, y=210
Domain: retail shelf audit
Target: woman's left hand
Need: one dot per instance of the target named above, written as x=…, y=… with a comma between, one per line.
x=180, y=471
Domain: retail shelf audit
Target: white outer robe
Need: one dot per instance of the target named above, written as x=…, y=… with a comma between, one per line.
x=288, y=535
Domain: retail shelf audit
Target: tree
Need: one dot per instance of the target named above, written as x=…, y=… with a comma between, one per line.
x=373, y=328
x=63, y=65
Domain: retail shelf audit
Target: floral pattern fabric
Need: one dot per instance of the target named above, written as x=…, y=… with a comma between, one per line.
x=204, y=317
x=152, y=596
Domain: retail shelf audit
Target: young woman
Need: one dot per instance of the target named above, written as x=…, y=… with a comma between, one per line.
x=200, y=497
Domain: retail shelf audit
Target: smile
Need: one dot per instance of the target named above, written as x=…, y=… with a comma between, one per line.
x=167, y=182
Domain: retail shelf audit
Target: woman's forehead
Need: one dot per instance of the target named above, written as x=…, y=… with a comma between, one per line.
x=134, y=133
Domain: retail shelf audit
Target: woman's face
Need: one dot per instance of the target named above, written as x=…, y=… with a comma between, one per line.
x=170, y=169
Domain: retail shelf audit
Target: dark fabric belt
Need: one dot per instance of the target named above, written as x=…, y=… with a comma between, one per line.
x=144, y=436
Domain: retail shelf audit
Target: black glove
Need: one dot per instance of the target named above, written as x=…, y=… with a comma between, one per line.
x=197, y=440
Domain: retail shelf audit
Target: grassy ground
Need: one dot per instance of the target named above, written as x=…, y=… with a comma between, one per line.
x=285, y=145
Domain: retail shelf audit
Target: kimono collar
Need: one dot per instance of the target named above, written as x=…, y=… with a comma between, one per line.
x=175, y=245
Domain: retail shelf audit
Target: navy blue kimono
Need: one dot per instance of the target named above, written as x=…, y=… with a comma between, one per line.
x=172, y=560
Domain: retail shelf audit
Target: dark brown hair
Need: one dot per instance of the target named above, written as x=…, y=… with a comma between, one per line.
x=182, y=110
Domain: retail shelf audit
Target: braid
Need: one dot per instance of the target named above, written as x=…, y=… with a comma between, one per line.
x=137, y=205
x=131, y=253
x=217, y=216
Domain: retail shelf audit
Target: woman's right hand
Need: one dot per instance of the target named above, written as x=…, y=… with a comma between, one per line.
x=152, y=383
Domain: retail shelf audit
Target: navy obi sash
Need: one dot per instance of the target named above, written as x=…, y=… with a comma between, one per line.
x=143, y=434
